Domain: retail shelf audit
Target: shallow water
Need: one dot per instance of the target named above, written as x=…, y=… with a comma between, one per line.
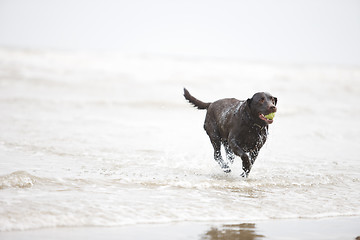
x=104, y=139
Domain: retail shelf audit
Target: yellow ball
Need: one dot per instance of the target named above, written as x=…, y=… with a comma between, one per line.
x=270, y=116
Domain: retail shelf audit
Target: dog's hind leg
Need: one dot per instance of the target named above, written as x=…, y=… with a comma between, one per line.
x=230, y=156
x=216, y=142
x=214, y=135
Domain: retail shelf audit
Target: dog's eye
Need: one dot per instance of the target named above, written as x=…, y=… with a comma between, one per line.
x=262, y=100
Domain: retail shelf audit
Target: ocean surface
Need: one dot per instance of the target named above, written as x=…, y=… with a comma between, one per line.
x=107, y=139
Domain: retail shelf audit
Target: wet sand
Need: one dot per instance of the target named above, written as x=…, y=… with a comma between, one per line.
x=329, y=228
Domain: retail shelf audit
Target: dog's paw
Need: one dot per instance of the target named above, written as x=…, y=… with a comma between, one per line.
x=225, y=167
x=246, y=171
x=244, y=175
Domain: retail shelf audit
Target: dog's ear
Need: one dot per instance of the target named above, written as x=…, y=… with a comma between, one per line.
x=275, y=98
x=248, y=101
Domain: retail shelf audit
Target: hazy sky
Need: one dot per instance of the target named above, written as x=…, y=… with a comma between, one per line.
x=300, y=31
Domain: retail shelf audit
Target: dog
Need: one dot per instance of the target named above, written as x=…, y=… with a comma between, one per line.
x=239, y=125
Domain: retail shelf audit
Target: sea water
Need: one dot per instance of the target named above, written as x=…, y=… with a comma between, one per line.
x=106, y=139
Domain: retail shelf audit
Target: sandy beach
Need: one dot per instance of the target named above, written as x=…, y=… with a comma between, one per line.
x=304, y=229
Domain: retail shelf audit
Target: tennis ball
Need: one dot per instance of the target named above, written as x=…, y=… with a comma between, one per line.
x=270, y=116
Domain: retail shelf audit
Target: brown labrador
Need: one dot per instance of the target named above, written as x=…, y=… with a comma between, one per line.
x=241, y=126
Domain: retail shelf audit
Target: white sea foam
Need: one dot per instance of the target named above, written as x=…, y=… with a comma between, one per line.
x=108, y=140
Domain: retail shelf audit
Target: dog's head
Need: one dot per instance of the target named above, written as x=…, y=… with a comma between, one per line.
x=262, y=104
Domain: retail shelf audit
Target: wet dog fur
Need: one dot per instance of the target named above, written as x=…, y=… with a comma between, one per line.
x=240, y=126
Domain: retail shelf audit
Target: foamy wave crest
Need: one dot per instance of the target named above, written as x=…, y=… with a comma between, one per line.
x=19, y=179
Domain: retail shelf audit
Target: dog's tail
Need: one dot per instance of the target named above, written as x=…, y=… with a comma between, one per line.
x=196, y=102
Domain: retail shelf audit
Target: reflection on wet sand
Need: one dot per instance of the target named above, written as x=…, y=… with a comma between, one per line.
x=244, y=231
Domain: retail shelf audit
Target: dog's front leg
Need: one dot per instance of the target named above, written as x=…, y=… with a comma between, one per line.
x=246, y=164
